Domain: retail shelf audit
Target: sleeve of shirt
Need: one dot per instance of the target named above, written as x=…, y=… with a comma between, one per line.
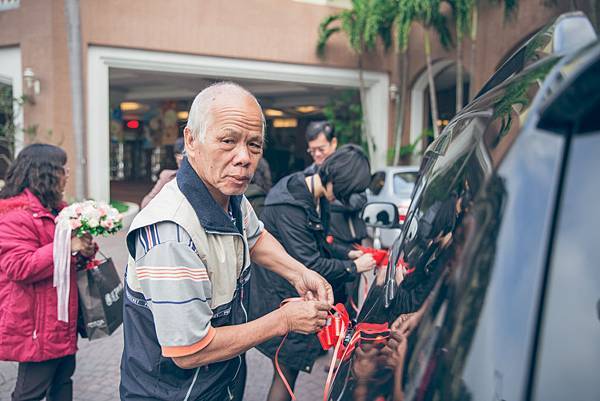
x=176, y=285
x=252, y=225
x=300, y=243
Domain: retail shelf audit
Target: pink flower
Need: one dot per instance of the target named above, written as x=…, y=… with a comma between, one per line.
x=75, y=224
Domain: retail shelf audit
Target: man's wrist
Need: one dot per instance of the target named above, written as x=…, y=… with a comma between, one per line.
x=294, y=275
x=282, y=323
x=352, y=268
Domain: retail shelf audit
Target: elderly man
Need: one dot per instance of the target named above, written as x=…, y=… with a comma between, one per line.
x=185, y=322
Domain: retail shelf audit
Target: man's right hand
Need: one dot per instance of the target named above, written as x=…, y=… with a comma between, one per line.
x=304, y=317
x=364, y=263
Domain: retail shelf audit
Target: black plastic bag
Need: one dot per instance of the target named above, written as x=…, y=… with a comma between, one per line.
x=100, y=300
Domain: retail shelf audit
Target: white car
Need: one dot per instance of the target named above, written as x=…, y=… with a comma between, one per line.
x=394, y=185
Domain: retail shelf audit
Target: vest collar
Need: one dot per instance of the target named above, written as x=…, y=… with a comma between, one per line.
x=211, y=215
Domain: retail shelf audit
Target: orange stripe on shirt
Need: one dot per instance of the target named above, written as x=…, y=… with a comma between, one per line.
x=169, y=269
x=149, y=277
x=158, y=272
x=174, y=352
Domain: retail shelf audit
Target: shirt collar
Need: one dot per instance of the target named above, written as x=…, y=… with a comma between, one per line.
x=211, y=215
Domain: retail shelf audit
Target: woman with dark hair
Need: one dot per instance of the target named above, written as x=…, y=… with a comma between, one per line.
x=296, y=213
x=30, y=332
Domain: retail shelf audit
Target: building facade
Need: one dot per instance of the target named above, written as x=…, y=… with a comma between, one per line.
x=157, y=54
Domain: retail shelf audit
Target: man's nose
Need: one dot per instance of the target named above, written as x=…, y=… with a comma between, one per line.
x=242, y=156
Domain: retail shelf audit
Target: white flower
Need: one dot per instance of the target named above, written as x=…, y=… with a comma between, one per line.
x=93, y=223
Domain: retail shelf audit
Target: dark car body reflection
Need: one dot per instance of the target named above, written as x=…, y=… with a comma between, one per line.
x=472, y=275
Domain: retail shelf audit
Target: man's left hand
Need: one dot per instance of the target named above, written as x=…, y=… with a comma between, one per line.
x=310, y=283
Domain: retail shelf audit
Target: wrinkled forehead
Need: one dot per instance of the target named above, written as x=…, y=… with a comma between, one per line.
x=236, y=109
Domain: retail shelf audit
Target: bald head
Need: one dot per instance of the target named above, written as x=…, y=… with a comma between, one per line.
x=218, y=94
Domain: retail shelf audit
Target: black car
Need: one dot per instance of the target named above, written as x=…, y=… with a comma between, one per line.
x=493, y=287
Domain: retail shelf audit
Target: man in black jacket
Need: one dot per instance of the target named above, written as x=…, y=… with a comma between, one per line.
x=296, y=213
x=346, y=228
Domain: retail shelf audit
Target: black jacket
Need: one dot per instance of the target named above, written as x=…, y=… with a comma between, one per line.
x=345, y=225
x=290, y=215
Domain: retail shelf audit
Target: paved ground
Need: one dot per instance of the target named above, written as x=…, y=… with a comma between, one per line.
x=97, y=375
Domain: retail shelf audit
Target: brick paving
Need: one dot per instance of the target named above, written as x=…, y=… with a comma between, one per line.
x=97, y=375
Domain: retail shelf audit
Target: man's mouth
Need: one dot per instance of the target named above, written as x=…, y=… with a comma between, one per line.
x=240, y=179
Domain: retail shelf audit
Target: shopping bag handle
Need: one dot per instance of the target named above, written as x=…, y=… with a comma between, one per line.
x=102, y=254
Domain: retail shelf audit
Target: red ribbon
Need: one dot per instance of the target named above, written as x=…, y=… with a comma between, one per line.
x=381, y=256
x=92, y=263
x=337, y=324
x=333, y=335
x=376, y=333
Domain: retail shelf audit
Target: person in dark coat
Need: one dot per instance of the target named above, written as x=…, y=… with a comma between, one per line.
x=346, y=228
x=296, y=214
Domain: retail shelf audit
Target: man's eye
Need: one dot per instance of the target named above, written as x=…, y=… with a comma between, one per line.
x=256, y=145
x=228, y=141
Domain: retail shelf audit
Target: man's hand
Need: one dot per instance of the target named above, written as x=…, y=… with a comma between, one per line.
x=395, y=350
x=354, y=254
x=365, y=263
x=305, y=317
x=310, y=283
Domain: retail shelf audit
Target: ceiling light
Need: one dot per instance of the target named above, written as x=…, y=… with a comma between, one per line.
x=130, y=106
x=182, y=115
x=285, y=123
x=306, y=109
x=273, y=113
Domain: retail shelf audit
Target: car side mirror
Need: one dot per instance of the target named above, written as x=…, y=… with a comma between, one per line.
x=381, y=215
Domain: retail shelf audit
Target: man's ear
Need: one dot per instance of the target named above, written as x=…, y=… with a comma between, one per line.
x=189, y=141
x=334, y=143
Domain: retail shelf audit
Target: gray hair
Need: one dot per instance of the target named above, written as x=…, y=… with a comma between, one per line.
x=199, y=116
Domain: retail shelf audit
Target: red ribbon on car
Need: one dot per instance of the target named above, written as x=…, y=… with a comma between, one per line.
x=333, y=335
x=381, y=256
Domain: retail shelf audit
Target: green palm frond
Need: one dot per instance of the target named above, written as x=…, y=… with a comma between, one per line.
x=325, y=32
x=462, y=10
x=363, y=25
x=510, y=8
x=439, y=23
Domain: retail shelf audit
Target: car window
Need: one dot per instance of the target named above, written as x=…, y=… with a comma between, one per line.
x=459, y=328
x=377, y=182
x=404, y=183
x=448, y=253
x=569, y=357
x=539, y=46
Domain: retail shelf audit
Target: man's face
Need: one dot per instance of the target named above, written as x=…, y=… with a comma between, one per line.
x=232, y=147
x=320, y=148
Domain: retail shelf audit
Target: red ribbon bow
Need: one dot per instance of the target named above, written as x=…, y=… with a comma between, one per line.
x=381, y=256
x=333, y=335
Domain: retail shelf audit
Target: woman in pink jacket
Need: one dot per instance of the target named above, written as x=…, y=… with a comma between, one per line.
x=30, y=331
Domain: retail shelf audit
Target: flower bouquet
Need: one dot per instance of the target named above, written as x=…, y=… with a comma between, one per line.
x=87, y=217
x=91, y=217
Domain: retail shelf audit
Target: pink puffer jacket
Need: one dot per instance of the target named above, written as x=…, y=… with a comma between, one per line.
x=29, y=328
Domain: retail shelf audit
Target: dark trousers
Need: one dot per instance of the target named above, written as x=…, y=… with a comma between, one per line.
x=50, y=379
